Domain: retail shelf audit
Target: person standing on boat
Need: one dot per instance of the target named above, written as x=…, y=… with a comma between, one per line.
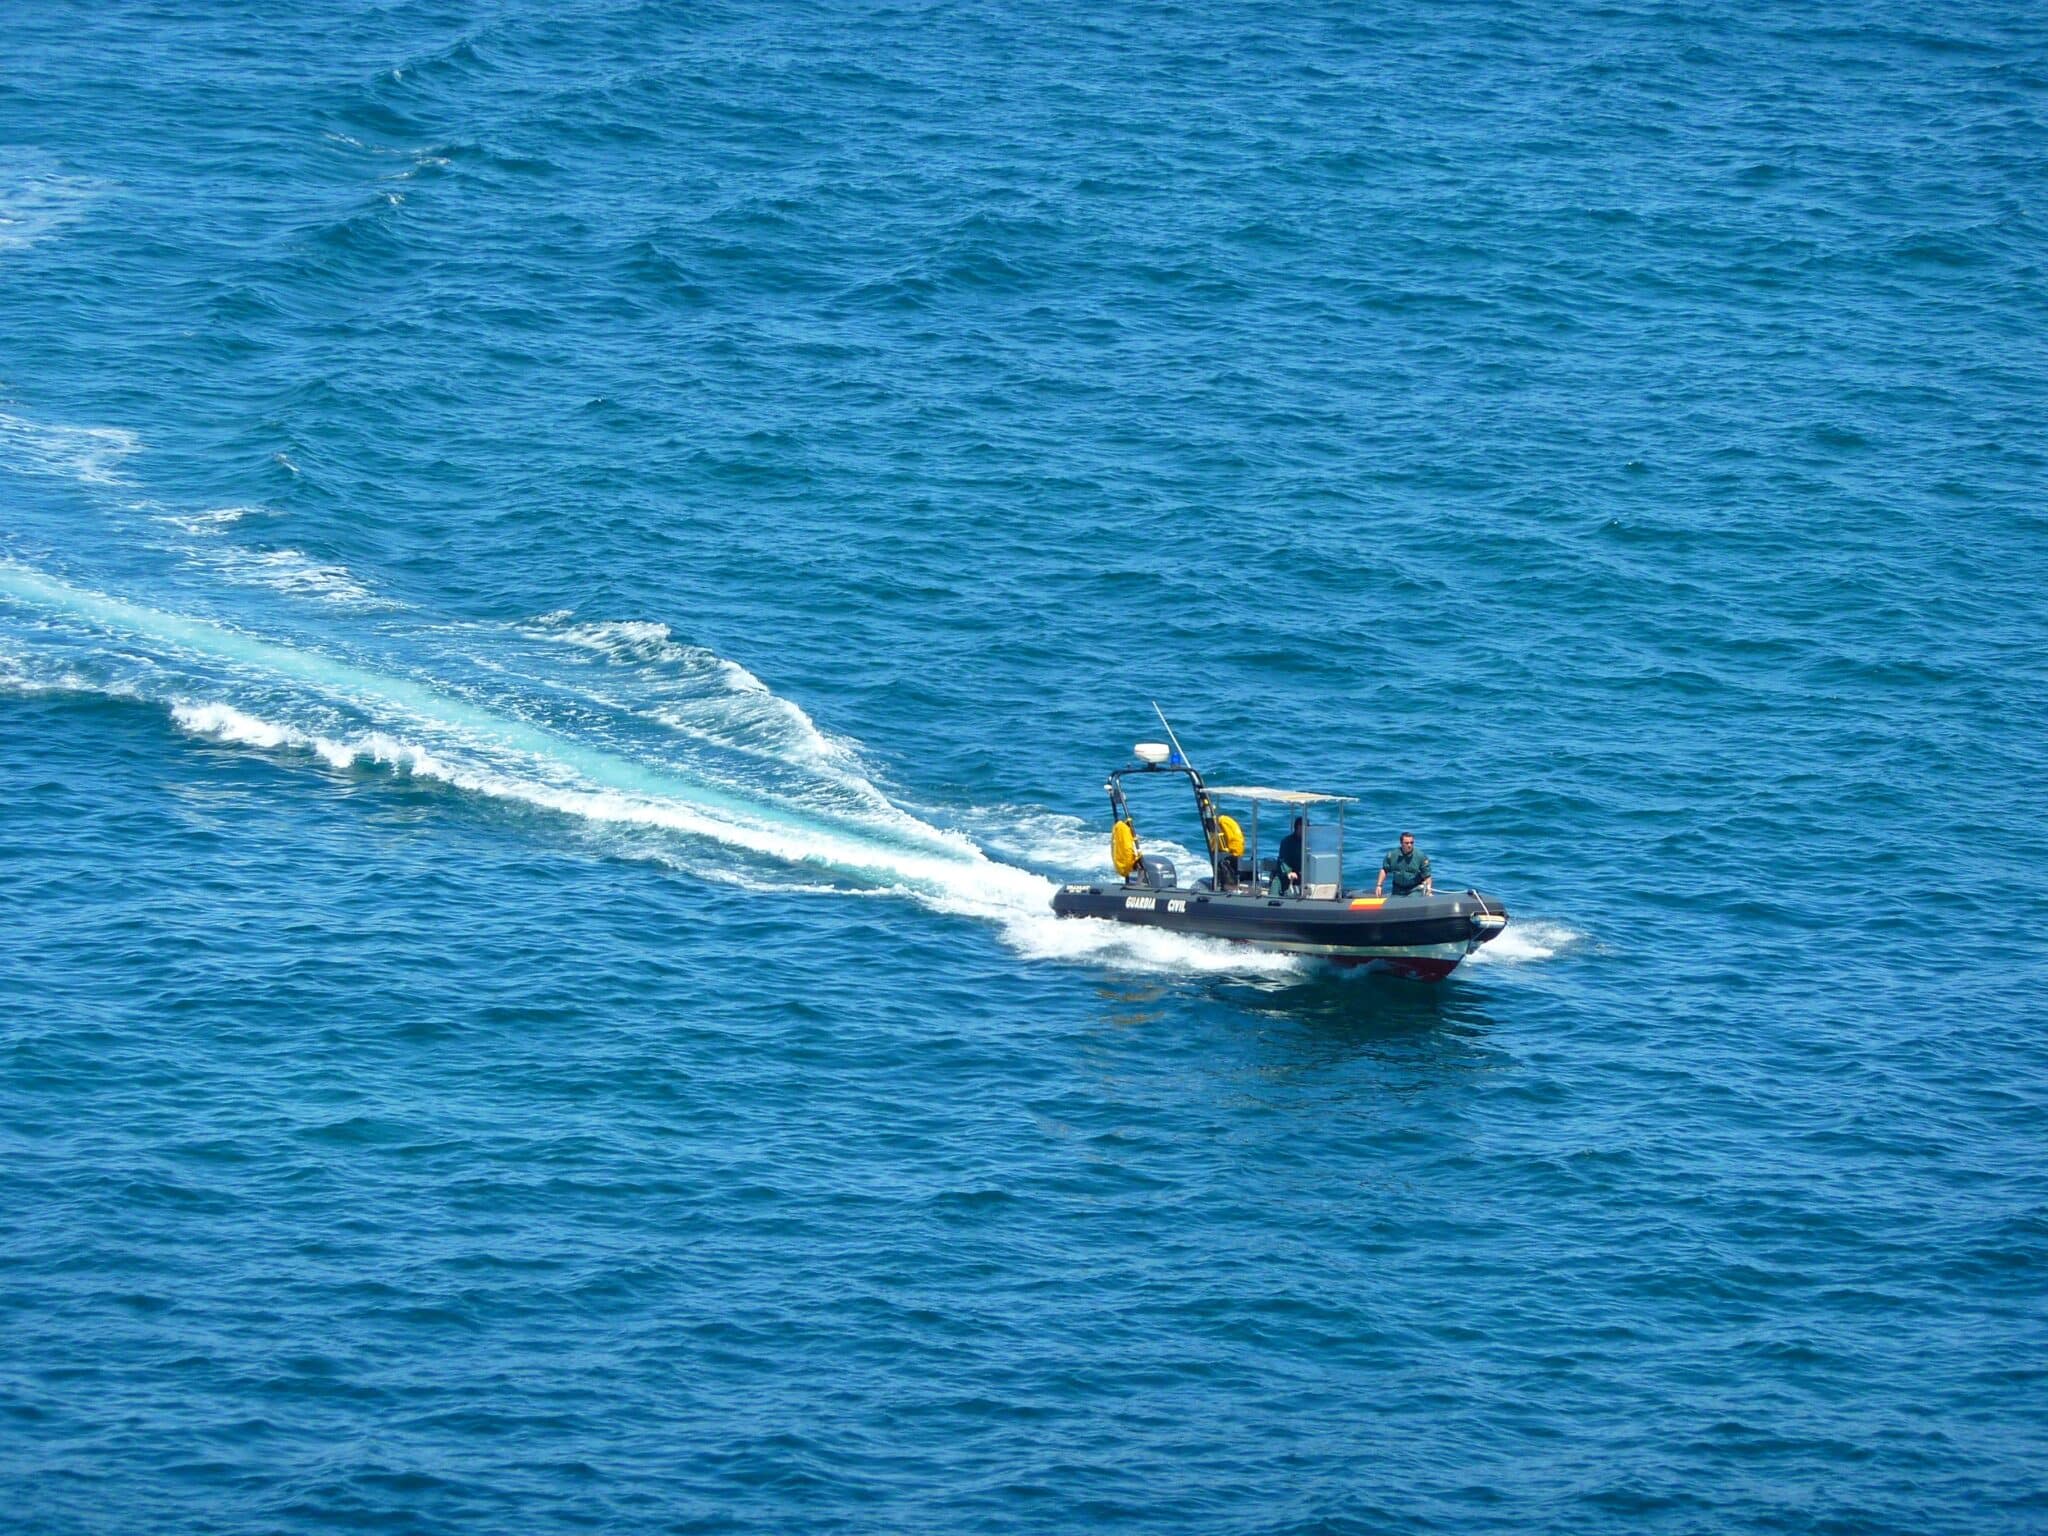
x=1410, y=868
x=1288, y=875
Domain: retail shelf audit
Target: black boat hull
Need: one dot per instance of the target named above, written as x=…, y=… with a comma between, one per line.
x=1421, y=936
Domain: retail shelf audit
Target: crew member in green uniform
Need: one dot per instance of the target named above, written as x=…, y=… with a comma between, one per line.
x=1408, y=866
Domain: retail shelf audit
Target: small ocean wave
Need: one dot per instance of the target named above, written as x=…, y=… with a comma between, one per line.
x=224, y=722
x=696, y=691
x=1528, y=939
x=290, y=571
x=1052, y=839
x=89, y=454
x=37, y=199
x=1117, y=946
x=19, y=678
x=769, y=886
x=211, y=521
x=282, y=569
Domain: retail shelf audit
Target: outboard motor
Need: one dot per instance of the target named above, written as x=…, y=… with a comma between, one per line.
x=1158, y=874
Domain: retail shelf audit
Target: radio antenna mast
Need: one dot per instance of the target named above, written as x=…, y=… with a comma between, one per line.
x=1170, y=736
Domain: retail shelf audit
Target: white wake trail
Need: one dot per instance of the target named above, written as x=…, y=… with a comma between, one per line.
x=419, y=732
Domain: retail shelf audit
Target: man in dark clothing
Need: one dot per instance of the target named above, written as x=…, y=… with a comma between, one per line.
x=1288, y=876
x=1408, y=866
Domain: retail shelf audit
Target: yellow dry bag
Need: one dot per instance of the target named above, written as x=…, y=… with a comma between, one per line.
x=1123, y=848
x=1230, y=835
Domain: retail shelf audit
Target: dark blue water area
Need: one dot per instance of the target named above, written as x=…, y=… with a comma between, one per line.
x=568, y=580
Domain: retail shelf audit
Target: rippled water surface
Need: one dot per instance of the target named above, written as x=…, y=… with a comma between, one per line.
x=569, y=575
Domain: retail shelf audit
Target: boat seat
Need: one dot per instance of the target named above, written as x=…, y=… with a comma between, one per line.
x=1269, y=877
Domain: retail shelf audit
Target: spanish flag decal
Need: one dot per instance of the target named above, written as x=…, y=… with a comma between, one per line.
x=1368, y=901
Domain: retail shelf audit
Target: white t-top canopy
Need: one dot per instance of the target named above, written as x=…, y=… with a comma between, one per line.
x=1280, y=796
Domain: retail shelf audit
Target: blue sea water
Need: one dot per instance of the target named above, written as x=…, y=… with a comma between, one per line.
x=569, y=576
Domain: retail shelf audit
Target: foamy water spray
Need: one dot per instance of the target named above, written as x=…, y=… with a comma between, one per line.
x=427, y=733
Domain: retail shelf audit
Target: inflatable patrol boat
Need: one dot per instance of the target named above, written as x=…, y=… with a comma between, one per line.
x=1298, y=905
